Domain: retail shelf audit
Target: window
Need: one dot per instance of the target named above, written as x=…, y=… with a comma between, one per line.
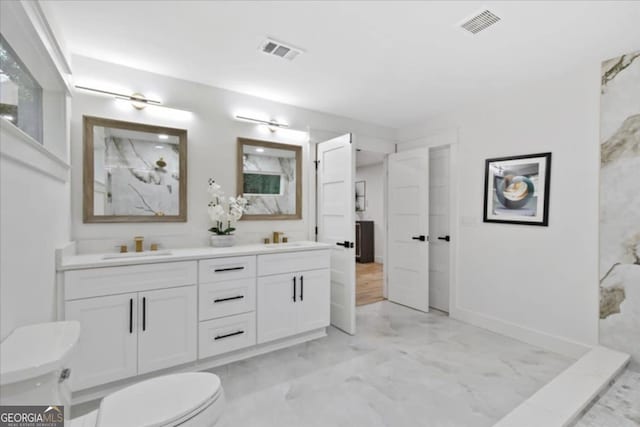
x=20, y=93
x=262, y=184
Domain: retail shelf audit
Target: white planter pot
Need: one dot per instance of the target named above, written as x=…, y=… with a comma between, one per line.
x=222, y=241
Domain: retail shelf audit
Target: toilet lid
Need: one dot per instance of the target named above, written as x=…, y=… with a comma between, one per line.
x=158, y=401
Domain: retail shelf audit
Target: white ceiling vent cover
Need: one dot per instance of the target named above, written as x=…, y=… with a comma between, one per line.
x=480, y=21
x=275, y=48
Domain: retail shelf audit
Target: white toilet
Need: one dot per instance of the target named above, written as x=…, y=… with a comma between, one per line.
x=33, y=371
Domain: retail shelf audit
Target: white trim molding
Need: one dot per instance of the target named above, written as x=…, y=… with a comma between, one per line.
x=530, y=336
x=19, y=147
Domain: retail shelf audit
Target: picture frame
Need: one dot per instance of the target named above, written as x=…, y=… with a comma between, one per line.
x=516, y=189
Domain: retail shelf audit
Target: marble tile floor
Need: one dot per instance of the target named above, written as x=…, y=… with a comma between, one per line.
x=619, y=406
x=402, y=368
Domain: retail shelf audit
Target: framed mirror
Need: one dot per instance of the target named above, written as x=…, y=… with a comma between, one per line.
x=270, y=177
x=133, y=172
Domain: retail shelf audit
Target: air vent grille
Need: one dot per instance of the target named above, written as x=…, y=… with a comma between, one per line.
x=275, y=48
x=479, y=22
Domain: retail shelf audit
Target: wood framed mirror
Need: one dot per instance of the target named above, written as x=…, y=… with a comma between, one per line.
x=269, y=176
x=133, y=172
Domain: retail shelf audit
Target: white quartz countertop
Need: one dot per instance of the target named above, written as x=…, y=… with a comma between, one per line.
x=75, y=262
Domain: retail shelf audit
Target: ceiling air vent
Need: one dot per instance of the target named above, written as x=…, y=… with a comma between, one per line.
x=480, y=21
x=275, y=48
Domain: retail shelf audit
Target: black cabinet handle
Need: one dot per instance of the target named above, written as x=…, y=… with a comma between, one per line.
x=294, y=288
x=228, y=299
x=144, y=314
x=232, y=334
x=130, y=315
x=421, y=238
x=301, y=288
x=222, y=270
x=345, y=244
x=445, y=238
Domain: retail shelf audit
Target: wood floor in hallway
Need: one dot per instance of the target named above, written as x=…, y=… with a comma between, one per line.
x=369, y=283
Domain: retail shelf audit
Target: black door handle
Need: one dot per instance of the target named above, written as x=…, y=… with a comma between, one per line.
x=301, y=288
x=130, y=315
x=294, y=288
x=144, y=314
x=445, y=238
x=421, y=238
x=346, y=244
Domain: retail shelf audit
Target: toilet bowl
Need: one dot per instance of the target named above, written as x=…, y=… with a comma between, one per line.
x=30, y=376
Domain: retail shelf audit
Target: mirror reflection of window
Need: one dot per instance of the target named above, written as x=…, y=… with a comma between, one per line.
x=269, y=178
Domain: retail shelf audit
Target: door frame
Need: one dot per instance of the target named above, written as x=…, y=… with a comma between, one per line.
x=450, y=139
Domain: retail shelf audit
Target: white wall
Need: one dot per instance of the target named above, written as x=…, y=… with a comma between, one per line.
x=34, y=184
x=539, y=284
x=374, y=176
x=212, y=133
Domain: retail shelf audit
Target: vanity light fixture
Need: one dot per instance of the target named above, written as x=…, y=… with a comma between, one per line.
x=269, y=123
x=138, y=100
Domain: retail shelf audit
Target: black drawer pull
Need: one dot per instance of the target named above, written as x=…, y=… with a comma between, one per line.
x=144, y=314
x=232, y=334
x=294, y=288
x=130, y=315
x=228, y=299
x=221, y=270
x=301, y=288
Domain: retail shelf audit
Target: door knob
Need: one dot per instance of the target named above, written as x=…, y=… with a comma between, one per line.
x=345, y=244
x=421, y=238
x=445, y=238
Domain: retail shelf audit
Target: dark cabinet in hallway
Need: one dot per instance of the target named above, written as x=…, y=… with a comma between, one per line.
x=365, y=249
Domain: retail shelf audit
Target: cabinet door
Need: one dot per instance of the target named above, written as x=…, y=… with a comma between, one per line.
x=314, y=309
x=167, y=329
x=277, y=312
x=107, y=349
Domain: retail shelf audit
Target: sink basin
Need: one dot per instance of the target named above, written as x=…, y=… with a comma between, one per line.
x=136, y=254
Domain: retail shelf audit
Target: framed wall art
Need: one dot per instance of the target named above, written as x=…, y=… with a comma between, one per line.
x=516, y=189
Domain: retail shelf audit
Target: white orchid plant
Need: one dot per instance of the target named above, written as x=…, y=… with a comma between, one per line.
x=224, y=211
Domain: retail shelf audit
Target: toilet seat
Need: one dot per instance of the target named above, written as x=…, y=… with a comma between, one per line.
x=168, y=400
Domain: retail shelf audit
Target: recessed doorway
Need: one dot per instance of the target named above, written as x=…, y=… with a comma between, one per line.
x=370, y=226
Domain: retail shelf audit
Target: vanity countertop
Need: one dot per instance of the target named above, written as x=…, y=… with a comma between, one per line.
x=76, y=262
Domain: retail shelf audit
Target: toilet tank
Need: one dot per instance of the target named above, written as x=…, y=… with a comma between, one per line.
x=33, y=364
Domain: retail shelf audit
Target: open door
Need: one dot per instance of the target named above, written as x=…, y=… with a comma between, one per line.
x=408, y=229
x=336, y=225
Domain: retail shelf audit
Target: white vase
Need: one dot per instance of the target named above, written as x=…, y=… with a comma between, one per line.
x=222, y=241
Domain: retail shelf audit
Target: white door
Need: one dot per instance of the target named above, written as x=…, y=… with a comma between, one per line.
x=107, y=349
x=408, y=233
x=336, y=225
x=277, y=300
x=439, y=228
x=167, y=329
x=313, y=309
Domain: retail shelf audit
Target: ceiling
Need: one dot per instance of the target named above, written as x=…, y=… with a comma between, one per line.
x=391, y=63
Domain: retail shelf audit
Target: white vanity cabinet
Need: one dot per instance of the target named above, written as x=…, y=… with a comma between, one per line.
x=292, y=301
x=131, y=333
x=191, y=310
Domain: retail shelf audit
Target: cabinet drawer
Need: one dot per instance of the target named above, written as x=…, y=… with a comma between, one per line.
x=224, y=299
x=95, y=282
x=227, y=334
x=292, y=261
x=223, y=269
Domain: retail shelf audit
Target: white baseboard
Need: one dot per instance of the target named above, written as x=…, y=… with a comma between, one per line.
x=530, y=336
x=378, y=259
